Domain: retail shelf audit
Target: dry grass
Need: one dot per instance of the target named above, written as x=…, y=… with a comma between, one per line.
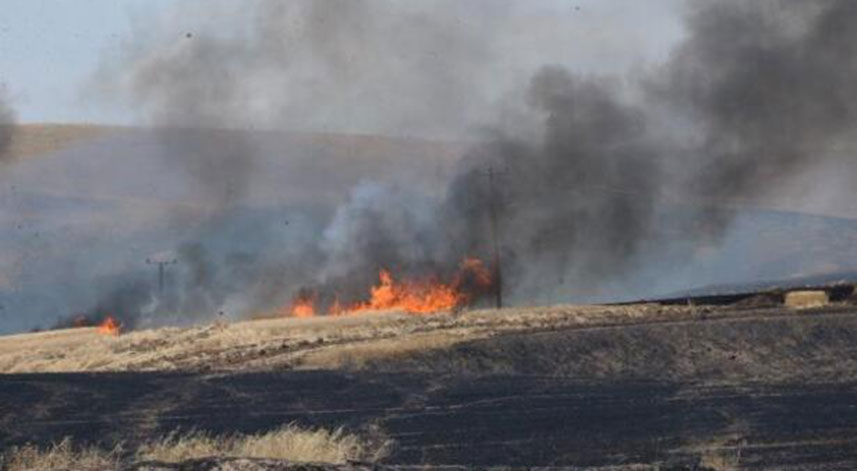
x=289, y=443
x=322, y=342
x=358, y=355
x=59, y=456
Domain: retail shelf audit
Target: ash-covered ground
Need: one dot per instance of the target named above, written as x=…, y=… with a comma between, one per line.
x=638, y=386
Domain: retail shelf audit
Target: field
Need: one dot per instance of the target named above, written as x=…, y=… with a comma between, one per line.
x=605, y=387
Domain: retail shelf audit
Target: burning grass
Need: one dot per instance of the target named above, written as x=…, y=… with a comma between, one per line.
x=414, y=296
x=289, y=442
x=109, y=327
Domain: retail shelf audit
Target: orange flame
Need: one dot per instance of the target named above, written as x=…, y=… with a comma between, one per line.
x=416, y=297
x=424, y=296
x=412, y=296
x=303, y=308
x=303, y=304
x=108, y=326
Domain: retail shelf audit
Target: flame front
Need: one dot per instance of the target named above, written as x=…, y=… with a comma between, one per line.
x=109, y=326
x=424, y=296
x=416, y=297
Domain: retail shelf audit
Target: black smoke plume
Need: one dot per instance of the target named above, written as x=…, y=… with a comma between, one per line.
x=768, y=90
x=769, y=86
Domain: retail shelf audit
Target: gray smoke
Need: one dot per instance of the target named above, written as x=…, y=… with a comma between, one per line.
x=355, y=65
x=7, y=126
x=770, y=88
x=580, y=198
x=593, y=175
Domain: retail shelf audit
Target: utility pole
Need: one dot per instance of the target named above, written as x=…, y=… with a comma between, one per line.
x=495, y=237
x=161, y=266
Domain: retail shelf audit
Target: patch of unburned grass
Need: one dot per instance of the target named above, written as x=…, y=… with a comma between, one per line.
x=287, y=443
x=60, y=456
x=290, y=442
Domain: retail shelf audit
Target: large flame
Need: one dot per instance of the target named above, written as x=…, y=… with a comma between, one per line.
x=424, y=296
x=109, y=326
x=417, y=297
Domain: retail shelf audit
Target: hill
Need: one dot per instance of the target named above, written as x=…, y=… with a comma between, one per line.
x=43, y=138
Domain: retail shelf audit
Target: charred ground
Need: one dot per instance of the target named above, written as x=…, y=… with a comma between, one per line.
x=635, y=385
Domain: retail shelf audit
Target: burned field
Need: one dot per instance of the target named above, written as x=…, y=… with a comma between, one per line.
x=634, y=386
x=422, y=234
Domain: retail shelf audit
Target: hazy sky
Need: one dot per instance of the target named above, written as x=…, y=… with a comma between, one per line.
x=51, y=49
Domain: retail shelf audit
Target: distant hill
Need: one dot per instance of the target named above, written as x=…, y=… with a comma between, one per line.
x=125, y=163
x=43, y=138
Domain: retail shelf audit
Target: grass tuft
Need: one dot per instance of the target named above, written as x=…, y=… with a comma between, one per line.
x=60, y=456
x=289, y=442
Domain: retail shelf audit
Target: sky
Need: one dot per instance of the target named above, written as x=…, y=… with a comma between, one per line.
x=50, y=50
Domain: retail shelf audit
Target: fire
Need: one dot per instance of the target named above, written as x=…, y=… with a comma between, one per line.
x=303, y=308
x=424, y=296
x=109, y=326
x=303, y=304
x=416, y=297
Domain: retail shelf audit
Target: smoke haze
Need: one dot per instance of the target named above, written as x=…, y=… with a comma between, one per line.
x=7, y=126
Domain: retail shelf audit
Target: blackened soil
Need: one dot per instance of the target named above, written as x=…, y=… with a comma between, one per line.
x=506, y=420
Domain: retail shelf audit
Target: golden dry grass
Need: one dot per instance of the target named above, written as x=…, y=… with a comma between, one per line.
x=289, y=443
x=322, y=342
x=59, y=456
x=286, y=443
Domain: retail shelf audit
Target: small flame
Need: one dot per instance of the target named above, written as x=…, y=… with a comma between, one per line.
x=303, y=304
x=109, y=326
x=303, y=309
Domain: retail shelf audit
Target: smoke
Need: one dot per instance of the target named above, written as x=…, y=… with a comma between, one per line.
x=7, y=127
x=582, y=197
x=755, y=96
x=769, y=85
x=331, y=65
x=593, y=179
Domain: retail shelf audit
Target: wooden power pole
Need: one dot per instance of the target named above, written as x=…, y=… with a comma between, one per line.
x=161, y=266
x=495, y=238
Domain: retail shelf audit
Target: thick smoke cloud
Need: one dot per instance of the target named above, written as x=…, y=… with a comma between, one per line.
x=582, y=197
x=770, y=87
x=617, y=172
